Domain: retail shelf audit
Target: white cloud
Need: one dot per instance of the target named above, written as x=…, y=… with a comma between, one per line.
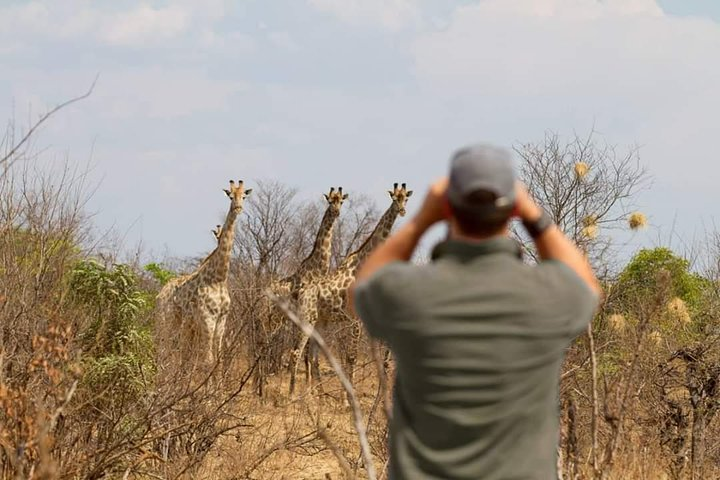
x=144, y=24
x=389, y=14
x=643, y=75
x=526, y=46
x=139, y=25
x=31, y=17
x=568, y=8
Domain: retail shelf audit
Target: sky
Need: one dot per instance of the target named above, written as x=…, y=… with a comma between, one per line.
x=358, y=93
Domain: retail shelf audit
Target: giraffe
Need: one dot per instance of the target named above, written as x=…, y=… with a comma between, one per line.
x=317, y=263
x=195, y=307
x=330, y=301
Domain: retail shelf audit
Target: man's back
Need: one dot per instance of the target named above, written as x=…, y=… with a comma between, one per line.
x=478, y=338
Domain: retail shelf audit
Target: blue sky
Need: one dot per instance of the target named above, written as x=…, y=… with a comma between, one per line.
x=699, y=8
x=359, y=93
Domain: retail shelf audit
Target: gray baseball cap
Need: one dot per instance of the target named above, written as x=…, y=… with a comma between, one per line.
x=481, y=167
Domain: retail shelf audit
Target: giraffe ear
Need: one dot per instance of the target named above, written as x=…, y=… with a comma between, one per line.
x=345, y=196
x=227, y=192
x=392, y=194
x=326, y=197
x=248, y=191
x=409, y=193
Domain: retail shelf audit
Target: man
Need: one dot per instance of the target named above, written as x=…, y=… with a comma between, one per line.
x=478, y=335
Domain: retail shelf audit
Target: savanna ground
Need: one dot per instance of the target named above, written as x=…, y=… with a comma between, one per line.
x=81, y=395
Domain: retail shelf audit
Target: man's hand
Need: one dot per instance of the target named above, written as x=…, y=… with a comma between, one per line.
x=525, y=206
x=434, y=207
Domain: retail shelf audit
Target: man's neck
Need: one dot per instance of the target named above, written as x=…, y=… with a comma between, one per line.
x=456, y=234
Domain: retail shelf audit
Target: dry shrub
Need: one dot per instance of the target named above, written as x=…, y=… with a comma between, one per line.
x=617, y=322
x=678, y=312
x=656, y=338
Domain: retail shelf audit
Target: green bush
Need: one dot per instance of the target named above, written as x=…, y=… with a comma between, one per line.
x=117, y=342
x=638, y=281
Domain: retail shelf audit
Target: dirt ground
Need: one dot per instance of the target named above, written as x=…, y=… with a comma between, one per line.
x=293, y=437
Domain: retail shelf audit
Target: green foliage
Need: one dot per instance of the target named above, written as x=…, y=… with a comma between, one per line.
x=159, y=273
x=638, y=279
x=114, y=299
x=117, y=343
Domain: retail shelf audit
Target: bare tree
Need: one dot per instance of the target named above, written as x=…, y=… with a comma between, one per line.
x=264, y=237
x=360, y=213
x=584, y=184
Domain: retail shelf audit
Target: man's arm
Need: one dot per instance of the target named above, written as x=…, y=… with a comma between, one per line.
x=401, y=244
x=553, y=244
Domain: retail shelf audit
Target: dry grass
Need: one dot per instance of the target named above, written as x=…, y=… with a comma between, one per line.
x=293, y=439
x=617, y=322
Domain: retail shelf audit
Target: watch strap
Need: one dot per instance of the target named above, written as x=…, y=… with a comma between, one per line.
x=535, y=228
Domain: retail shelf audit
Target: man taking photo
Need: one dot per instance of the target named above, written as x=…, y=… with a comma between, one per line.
x=478, y=335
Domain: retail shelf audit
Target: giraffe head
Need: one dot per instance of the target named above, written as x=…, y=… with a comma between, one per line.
x=237, y=194
x=217, y=231
x=335, y=199
x=399, y=197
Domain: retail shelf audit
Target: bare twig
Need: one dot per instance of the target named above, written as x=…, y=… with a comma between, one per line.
x=6, y=160
x=342, y=461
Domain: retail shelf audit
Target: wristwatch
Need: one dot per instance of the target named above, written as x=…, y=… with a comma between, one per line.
x=535, y=228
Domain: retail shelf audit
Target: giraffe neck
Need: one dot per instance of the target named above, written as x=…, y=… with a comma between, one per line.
x=379, y=234
x=217, y=266
x=319, y=258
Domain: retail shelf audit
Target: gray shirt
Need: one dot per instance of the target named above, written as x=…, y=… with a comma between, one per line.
x=478, y=338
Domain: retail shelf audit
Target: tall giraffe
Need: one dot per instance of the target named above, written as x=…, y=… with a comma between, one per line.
x=329, y=300
x=195, y=307
x=317, y=263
